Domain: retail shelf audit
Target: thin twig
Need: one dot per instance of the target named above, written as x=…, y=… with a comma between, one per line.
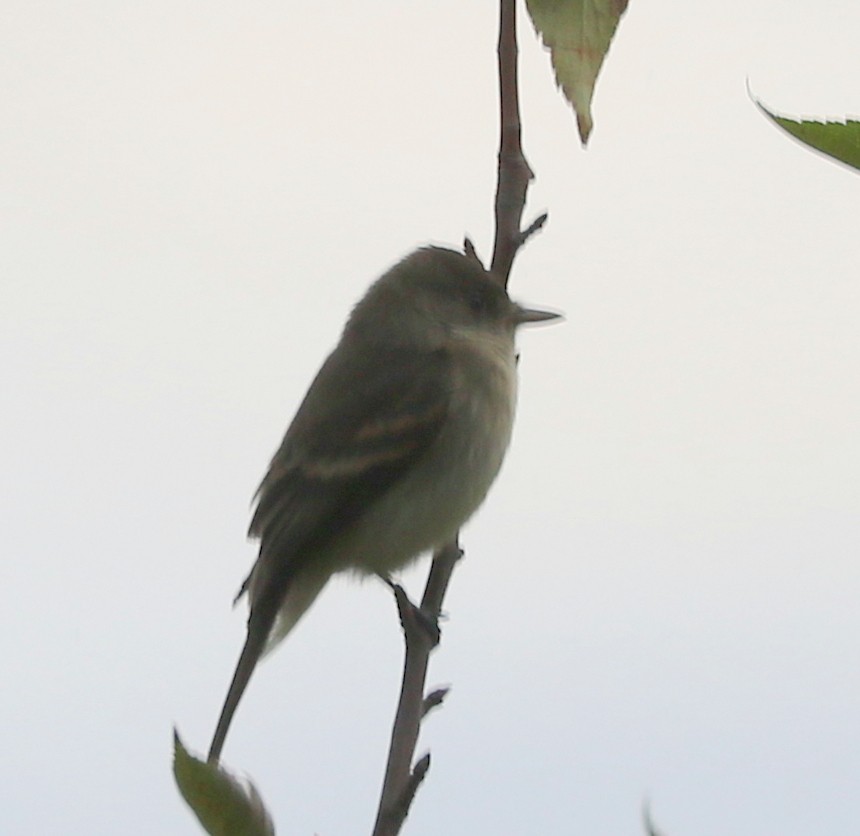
x=471, y=252
x=433, y=700
x=514, y=171
x=535, y=226
x=401, y=782
x=398, y=788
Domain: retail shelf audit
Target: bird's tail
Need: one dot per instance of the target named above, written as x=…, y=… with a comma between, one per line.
x=259, y=626
x=272, y=617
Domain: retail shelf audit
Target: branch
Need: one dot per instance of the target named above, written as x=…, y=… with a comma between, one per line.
x=421, y=636
x=514, y=172
x=419, y=623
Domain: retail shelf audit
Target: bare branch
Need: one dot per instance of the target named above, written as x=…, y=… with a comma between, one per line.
x=415, y=779
x=420, y=639
x=535, y=226
x=514, y=174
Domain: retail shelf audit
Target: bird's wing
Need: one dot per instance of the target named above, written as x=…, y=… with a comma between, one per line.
x=369, y=416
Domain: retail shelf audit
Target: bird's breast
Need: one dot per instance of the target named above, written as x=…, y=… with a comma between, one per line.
x=428, y=504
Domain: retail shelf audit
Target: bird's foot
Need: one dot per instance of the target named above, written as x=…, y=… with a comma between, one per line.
x=413, y=619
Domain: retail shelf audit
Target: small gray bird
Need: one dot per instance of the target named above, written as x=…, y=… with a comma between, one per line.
x=394, y=447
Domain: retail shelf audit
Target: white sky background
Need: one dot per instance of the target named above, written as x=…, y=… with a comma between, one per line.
x=659, y=597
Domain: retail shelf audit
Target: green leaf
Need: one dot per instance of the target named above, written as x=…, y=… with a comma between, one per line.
x=577, y=33
x=839, y=140
x=222, y=804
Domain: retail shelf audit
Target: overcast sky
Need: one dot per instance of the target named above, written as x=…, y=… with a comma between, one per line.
x=659, y=598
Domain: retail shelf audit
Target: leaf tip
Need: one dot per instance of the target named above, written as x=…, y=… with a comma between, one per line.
x=584, y=124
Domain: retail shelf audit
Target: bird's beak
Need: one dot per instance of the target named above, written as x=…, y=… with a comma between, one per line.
x=523, y=315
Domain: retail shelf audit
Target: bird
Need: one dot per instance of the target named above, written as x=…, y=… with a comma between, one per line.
x=394, y=447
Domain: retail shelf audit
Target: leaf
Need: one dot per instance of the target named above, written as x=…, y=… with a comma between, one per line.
x=839, y=140
x=222, y=804
x=577, y=33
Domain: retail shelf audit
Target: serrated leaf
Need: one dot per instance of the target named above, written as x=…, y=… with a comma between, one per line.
x=224, y=806
x=577, y=33
x=839, y=140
